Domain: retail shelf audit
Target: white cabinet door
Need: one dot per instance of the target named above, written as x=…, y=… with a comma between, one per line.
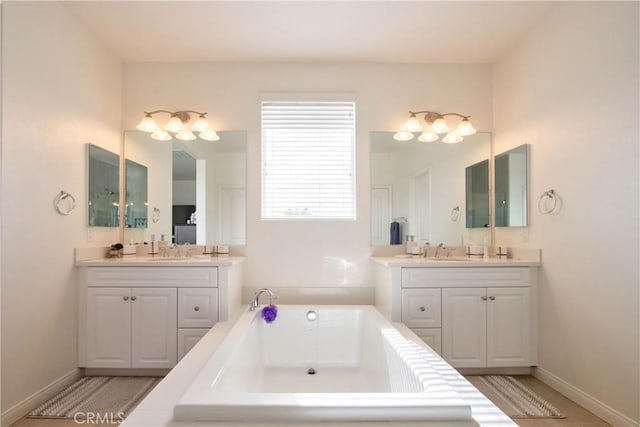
x=187, y=338
x=108, y=328
x=464, y=327
x=154, y=327
x=508, y=327
x=432, y=337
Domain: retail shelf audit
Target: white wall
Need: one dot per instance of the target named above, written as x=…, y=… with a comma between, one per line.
x=61, y=91
x=570, y=89
x=297, y=253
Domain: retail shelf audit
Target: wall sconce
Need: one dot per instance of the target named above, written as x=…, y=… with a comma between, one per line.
x=178, y=124
x=434, y=125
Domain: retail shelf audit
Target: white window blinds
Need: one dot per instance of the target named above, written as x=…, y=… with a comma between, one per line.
x=308, y=160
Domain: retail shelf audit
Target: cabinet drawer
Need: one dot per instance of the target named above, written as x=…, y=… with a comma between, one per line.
x=432, y=337
x=197, y=307
x=155, y=277
x=465, y=277
x=421, y=308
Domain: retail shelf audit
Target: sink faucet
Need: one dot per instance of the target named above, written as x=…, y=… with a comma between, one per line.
x=255, y=302
x=440, y=246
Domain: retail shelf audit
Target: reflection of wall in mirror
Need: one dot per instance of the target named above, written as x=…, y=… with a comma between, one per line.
x=399, y=164
x=156, y=156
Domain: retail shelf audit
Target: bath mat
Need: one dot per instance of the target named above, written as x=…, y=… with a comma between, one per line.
x=109, y=399
x=513, y=398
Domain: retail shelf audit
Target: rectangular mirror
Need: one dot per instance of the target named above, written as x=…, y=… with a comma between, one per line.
x=511, y=188
x=477, y=195
x=196, y=189
x=422, y=187
x=104, y=180
x=135, y=206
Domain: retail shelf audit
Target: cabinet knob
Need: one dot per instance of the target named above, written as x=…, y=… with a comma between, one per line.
x=422, y=308
x=125, y=298
x=484, y=298
x=196, y=308
x=134, y=298
x=492, y=298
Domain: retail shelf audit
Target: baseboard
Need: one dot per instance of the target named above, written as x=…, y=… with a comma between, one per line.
x=22, y=408
x=585, y=400
x=495, y=371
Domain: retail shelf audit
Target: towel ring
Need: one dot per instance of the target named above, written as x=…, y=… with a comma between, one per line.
x=545, y=198
x=455, y=214
x=70, y=205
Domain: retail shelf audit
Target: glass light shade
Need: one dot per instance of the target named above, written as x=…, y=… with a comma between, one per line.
x=161, y=135
x=428, y=136
x=465, y=128
x=200, y=125
x=174, y=125
x=403, y=135
x=440, y=126
x=413, y=124
x=185, y=135
x=209, y=135
x=452, y=138
x=147, y=124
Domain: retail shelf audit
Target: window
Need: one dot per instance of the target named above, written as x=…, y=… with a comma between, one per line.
x=308, y=160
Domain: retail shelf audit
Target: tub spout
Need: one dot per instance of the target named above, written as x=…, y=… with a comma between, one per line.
x=255, y=302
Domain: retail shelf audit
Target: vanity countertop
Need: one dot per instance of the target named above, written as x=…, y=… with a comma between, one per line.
x=394, y=261
x=135, y=261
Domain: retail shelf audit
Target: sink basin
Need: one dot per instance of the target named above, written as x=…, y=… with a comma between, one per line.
x=453, y=258
x=182, y=258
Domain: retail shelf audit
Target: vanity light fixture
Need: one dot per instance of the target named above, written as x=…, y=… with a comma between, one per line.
x=178, y=124
x=432, y=125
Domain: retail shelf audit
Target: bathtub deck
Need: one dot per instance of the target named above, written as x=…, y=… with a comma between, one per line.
x=326, y=380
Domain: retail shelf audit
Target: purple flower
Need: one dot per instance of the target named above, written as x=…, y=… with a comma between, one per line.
x=269, y=313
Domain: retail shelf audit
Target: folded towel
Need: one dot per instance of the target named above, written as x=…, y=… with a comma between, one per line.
x=395, y=234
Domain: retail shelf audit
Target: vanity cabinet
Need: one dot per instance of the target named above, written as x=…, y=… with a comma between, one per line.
x=474, y=317
x=138, y=317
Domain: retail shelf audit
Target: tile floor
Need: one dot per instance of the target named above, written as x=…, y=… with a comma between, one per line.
x=576, y=415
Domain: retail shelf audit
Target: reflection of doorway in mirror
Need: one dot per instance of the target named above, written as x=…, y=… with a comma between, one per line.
x=421, y=206
x=381, y=196
x=232, y=215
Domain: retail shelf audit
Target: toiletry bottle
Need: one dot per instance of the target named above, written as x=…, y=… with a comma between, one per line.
x=485, y=252
x=409, y=244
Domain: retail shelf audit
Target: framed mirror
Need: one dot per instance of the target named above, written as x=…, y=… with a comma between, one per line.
x=422, y=187
x=477, y=195
x=104, y=180
x=135, y=201
x=511, y=193
x=196, y=189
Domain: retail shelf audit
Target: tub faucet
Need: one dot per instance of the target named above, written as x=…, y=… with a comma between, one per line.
x=255, y=302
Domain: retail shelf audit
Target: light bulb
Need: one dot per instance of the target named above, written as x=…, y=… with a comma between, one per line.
x=185, y=135
x=465, y=128
x=209, y=135
x=452, y=138
x=147, y=124
x=403, y=135
x=440, y=126
x=200, y=125
x=413, y=124
x=428, y=136
x=161, y=135
x=174, y=125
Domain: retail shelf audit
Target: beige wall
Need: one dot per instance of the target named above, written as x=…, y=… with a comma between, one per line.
x=298, y=253
x=570, y=89
x=61, y=91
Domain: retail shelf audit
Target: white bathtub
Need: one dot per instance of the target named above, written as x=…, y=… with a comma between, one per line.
x=364, y=371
